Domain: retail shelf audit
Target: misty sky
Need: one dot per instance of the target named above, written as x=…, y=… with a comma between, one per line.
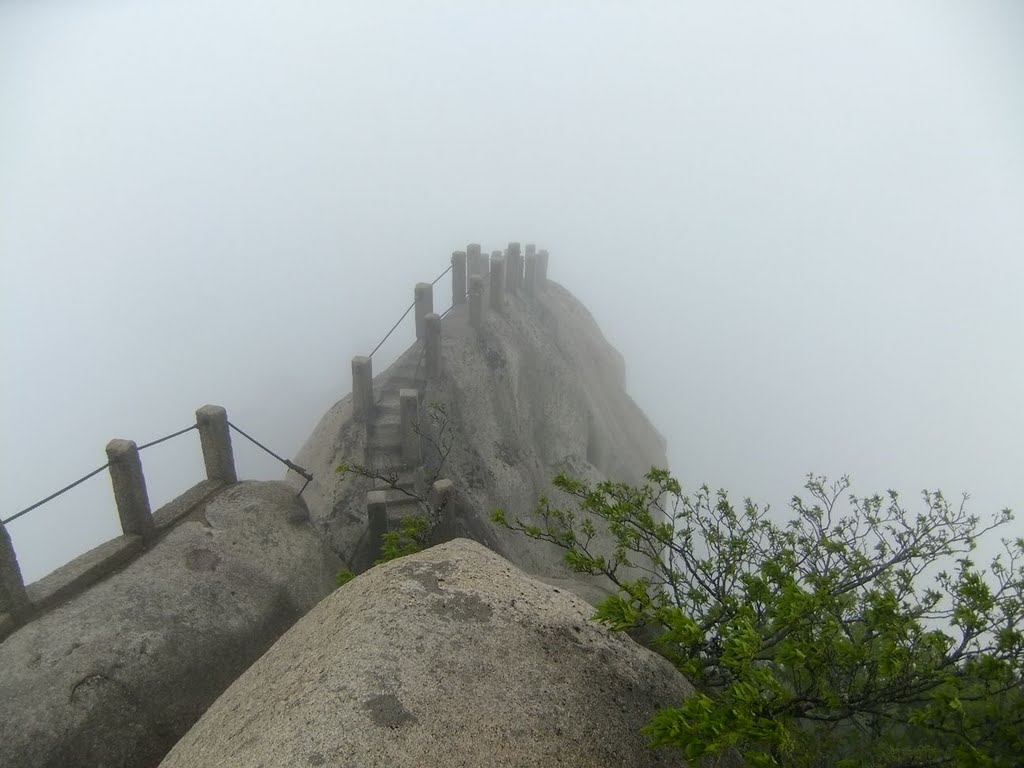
x=802, y=223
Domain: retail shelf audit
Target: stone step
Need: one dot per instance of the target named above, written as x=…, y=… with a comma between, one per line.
x=404, y=482
x=388, y=409
x=386, y=436
x=398, y=498
x=406, y=478
x=405, y=381
x=402, y=506
x=385, y=463
x=385, y=420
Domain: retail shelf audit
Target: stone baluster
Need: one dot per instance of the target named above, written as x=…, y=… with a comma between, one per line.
x=130, y=493
x=476, y=301
x=424, y=294
x=377, y=519
x=498, y=283
x=459, y=277
x=362, y=388
x=433, y=344
x=215, y=438
x=409, y=405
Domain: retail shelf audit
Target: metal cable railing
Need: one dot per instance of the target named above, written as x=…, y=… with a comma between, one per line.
x=290, y=464
x=53, y=496
x=393, y=327
x=162, y=439
x=442, y=274
x=96, y=471
x=405, y=314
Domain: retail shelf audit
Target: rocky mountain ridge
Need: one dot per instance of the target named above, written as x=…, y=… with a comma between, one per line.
x=527, y=388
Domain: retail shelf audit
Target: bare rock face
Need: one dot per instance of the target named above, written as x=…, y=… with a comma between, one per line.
x=117, y=674
x=450, y=657
x=535, y=391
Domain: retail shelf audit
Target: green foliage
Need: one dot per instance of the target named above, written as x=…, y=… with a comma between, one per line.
x=413, y=535
x=832, y=639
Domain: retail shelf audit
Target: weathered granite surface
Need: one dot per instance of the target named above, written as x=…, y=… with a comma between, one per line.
x=449, y=657
x=535, y=391
x=115, y=675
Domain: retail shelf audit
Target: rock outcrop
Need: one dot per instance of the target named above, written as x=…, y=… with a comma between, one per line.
x=117, y=674
x=450, y=657
x=535, y=391
x=452, y=654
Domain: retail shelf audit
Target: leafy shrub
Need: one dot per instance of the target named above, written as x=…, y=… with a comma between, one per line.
x=814, y=642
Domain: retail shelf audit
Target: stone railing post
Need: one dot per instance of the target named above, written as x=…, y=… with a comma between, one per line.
x=433, y=344
x=459, y=277
x=362, y=388
x=473, y=260
x=409, y=412
x=476, y=301
x=13, y=598
x=515, y=268
x=377, y=518
x=530, y=278
x=215, y=438
x=497, y=283
x=424, y=306
x=440, y=494
x=130, y=492
x=542, y=269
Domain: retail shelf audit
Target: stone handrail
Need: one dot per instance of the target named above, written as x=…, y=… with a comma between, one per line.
x=139, y=524
x=509, y=271
x=474, y=275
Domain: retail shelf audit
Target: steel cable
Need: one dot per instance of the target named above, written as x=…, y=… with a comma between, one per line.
x=81, y=480
x=290, y=464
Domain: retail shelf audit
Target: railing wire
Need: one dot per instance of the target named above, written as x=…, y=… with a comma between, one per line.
x=442, y=274
x=393, y=327
x=81, y=480
x=290, y=464
x=162, y=439
x=53, y=496
x=404, y=314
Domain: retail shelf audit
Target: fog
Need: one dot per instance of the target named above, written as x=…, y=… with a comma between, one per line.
x=801, y=223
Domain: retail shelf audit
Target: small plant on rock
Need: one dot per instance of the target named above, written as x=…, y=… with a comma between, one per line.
x=414, y=531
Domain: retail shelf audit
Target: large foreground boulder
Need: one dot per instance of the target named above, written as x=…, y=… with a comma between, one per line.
x=116, y=675
x=450, y=657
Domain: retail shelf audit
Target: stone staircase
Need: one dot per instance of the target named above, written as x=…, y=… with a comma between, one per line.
x=384, y=445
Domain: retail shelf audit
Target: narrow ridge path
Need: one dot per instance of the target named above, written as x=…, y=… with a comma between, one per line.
x=384, y=444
